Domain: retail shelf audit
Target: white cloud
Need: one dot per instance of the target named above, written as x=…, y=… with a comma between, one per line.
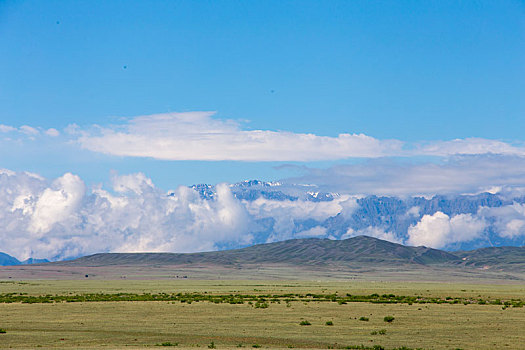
x=286, y=213
x=316, y=231
x=509, y=220
x=198, y=136
x=439, y=230
x=372, y=231
x=515, y=227
x=6, y=128
x=7, y=172
x=57, y=203
x=72, y=129
x=52, y=132
x=414, y=211
x=29, y=130
x=62, y=219
x=137, y=183
x=201, y=136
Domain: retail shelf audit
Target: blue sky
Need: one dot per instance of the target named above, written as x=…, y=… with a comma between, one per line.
x=106, y=105
x=413, y=71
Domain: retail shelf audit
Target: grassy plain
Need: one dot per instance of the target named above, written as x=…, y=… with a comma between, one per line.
x=145, y=324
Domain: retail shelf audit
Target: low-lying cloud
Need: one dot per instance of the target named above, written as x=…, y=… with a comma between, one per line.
x=63, y=218
x=439, y=230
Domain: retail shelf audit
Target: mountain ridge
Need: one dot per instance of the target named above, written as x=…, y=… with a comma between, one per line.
x=357, y=251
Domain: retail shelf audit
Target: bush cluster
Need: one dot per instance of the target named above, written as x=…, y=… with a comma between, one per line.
x=260, y=301
x=389, y=319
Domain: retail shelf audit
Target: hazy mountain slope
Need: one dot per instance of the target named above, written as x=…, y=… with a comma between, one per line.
x=7, y=260
x=31, y=261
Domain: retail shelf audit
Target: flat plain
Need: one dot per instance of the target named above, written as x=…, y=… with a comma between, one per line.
x=204, y=324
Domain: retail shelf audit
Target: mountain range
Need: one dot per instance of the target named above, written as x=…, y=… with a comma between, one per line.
x=497, y=217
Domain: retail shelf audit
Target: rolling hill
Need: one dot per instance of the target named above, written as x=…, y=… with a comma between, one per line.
x=360, y=250
x=359, y=257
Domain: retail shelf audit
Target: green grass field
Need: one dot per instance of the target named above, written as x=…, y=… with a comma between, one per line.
x=153, y=323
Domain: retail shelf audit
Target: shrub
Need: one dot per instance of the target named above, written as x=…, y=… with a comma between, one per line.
x=305, y=323
x=2, y=331
x=212, y=345
x=363, y=318
x=256, y=346
x=259, y=305
x=167, y=343
x=389, y=319
x=329, y=323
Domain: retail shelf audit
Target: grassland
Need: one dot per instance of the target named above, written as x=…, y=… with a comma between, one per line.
x=140, y=324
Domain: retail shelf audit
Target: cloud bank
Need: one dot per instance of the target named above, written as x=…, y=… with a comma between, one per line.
x=199, y=136
x=63, y=218
x=439, y=230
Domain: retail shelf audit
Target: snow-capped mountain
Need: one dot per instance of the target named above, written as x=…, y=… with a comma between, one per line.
x=453, y=222
x=252, y=189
